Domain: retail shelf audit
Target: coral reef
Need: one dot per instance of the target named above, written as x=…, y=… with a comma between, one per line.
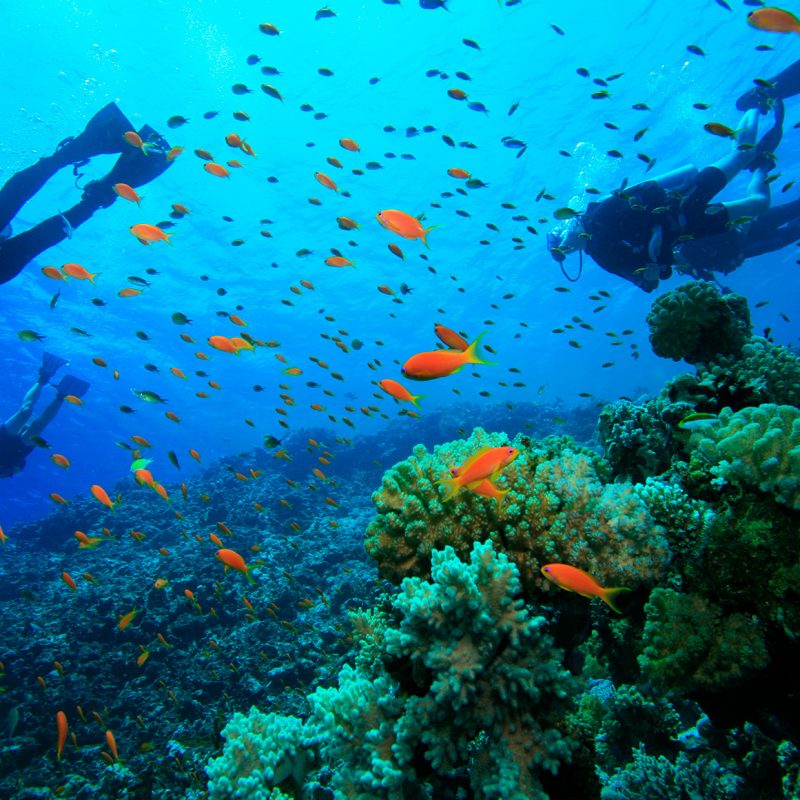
x=468, y=689
x=689, y=644
x=756, y=448
x=559, y=509
x=694, y=322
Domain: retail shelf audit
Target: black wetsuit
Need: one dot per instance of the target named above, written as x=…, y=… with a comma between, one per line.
x=621, y=227
x=13, y=452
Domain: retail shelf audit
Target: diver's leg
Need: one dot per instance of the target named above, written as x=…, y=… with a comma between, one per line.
x=775, y=217
x=677, y=180
x=36, y=426
x=743, y=151
x=785, y=84
x=132, y=167
x=103, y=134
x=769, y=241
x=17, y=421
x=757, y=200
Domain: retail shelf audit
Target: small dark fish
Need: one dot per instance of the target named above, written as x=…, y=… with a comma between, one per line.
x=448, y=140
x=638, y=135
x=176, y=121
x=40, y=442
x=96, y=301
x=471, y=43
x=428, y=128
x=583, y=72
x=640, y=107
x=476, y=106
x=611, y=126
x=695, y=50
x=320, y=115
x=258, y=388
x=723, y=4
x=81, y=332
x=762, y=48
x=408, y=156
x=143, y=336
x=763, y=84
x=411, y=132
x=126, y=410
x=389, y=129
x=432, y=73
x=475, y=183
x=463, y=76
x=271, y=91
x=615, y=76
x=54, y=298
x=253, y=59
x=373, y=165
x=179, y=318
x=324, y=13
x=165, y=225
x=266, y=70
x=151, y=368
x=601, y=95
x=614, y=153
x=240, y=88
x=151, y=271
x=432, y=4
x=210, y=114
x=271, y=441
x=138, y=281
x=173, y=459
x=513, y=108
x=701, y=106
x=325, y=72
x=558, y=30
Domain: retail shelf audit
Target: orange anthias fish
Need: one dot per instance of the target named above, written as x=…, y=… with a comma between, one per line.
x=487, y=488
x=134, y=140
x=230, y=558
x=126, y=619
x=327, y=182
x=101, y=496
x=441, y=363
x=349, y=144
x=79, y=273
x=222, y=343
x=399, y=392
x=61, y=724
x=488, y=462
x=60, y=461
x=127, y=192
x=403, y=224
x=775, y=20
x=147, y=234
x=216, y=169
x=450, y=338
x=576, y=580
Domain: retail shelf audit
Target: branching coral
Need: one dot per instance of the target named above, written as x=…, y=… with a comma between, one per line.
x=695, y=323
x=558, y=509
x=468, y=690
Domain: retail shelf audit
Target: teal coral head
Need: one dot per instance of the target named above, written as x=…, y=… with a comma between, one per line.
x=695, y=323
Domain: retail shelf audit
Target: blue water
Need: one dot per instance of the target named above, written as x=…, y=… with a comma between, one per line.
x=63, y=61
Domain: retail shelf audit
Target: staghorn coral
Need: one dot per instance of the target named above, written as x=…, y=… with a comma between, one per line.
x=688, y=644
x=755, y=448
x=695, y=323
x=559, y=509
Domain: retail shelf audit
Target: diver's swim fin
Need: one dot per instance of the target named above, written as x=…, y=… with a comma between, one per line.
x=73, y=386
x=133, y=167
x=104, y=133
x=50, y=365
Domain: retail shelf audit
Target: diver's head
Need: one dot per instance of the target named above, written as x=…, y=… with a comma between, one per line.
x=566, y=238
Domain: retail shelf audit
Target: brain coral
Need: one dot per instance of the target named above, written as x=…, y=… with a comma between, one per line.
x=756, y=448
x=559, y=509
x=695, y=323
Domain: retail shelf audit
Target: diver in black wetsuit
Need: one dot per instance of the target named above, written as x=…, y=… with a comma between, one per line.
x=633, y=232
x=103, y=134
x=20, y=434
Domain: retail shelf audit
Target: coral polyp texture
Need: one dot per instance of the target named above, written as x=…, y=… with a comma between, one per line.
x=458, y=684
x=559, y=509
x=695, y=323
x=755, y=448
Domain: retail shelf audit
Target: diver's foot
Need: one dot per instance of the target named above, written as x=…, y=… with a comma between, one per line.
x=758, y=97
x=765, y=149
x=50, y=365
x=104, y=133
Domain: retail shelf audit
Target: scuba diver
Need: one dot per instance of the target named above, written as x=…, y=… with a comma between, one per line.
x=633, y=232
x=105, y=133
x=20, y=434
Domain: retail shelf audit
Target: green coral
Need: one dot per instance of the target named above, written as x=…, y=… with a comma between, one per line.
x=756, y=448
x=764, y=372
x=559, y=509
x=696, y=323
x=689, y=644
x=659, y=778
x=263, y=753
x=456, y=683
